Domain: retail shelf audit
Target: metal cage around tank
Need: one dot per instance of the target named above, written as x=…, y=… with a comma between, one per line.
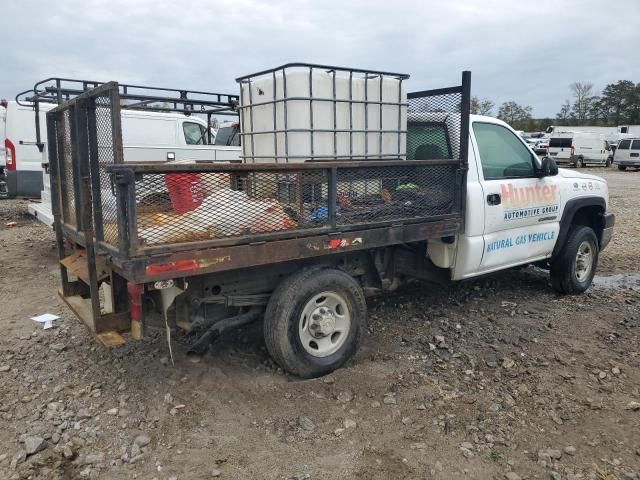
x=282, y=100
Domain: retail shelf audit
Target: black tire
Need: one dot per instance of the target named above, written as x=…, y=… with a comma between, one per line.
x=283, y=318
x=565, y=276
x=622, y=167
x=580, y=162
x=609, y=162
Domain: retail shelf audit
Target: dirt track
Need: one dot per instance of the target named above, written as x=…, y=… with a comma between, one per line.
x=525, y=383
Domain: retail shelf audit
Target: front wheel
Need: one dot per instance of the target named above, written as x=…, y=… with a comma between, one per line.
x=622, y=167
x=609, y=162
x=314, y=321
x=572, y=270
x=579, y=162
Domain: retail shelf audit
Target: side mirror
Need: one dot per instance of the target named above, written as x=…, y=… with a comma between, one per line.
x=548, y=167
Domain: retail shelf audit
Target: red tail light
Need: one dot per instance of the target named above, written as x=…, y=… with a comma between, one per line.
x=177, y=266
x=10, y=150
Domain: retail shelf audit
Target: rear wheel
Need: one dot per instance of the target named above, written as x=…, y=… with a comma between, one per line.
x=572, y=270
x=314, y=321
x=609, y=162
x=580, y=162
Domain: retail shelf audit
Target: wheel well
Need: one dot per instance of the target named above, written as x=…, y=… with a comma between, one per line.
x=590, y=216
x=586, y=211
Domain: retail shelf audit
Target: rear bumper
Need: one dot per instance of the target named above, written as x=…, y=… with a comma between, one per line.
x=24, y=183
x=608, y=221
x=559, y=160
x=629, y=163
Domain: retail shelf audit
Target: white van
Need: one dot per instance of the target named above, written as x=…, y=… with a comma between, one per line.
x=147, y=137
x=162, y=137
x=628, y=153
x=22, y=158
x=580, y=148
x=150, y=137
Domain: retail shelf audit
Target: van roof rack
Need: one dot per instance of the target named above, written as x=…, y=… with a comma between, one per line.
x=57, y=90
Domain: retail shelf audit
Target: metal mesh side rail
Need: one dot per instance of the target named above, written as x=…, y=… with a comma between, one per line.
x=394, y=194
x=183, y=207
x=66, y=172
x=107, y=209
x=191, y=205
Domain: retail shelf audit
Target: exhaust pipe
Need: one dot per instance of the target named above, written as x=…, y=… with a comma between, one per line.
x=199, y=348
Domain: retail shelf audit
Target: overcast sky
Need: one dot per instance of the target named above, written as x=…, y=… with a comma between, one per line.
x=527, y=51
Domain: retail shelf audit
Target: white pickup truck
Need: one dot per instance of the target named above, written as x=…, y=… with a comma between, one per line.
x=521, y=209
x=301, y=239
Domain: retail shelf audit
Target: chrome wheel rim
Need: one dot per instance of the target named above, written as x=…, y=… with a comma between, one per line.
x=584, y=261
x=324, y=324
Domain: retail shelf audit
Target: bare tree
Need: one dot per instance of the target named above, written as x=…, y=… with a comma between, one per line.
x=486, y=107
x=583, y=99
x=565, y=112
x=482, y=107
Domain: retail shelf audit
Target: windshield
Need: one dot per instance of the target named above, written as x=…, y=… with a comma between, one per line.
x=624, y=145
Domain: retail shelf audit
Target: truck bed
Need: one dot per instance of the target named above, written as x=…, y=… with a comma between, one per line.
x=135, y=223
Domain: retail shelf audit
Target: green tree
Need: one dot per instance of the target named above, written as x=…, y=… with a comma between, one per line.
x=616, y=102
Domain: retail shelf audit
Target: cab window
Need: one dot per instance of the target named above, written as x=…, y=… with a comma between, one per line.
x=427, y=141
x=228, y=136
x=194, y=133
x=624, y=145
x=502, y=154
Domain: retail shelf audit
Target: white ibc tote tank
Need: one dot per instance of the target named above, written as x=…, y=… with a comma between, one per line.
x=306, y=112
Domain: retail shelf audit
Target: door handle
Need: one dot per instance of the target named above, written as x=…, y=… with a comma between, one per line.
x=494, y=199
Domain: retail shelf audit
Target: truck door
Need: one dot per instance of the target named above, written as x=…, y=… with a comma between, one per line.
x=521, y=220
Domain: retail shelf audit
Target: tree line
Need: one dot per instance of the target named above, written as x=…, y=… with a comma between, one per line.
x=617, y=104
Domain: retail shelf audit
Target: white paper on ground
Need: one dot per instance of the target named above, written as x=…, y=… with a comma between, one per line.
x=46, y=319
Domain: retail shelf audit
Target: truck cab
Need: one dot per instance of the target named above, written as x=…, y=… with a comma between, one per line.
x=520, y=209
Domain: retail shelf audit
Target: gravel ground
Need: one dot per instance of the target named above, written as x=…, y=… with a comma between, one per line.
x=493, y=378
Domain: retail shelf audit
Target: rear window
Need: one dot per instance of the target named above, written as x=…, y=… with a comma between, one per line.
x=560, y=143
x=427, y=141
x=635, y=145
x=624, y=145
x=228, y=136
